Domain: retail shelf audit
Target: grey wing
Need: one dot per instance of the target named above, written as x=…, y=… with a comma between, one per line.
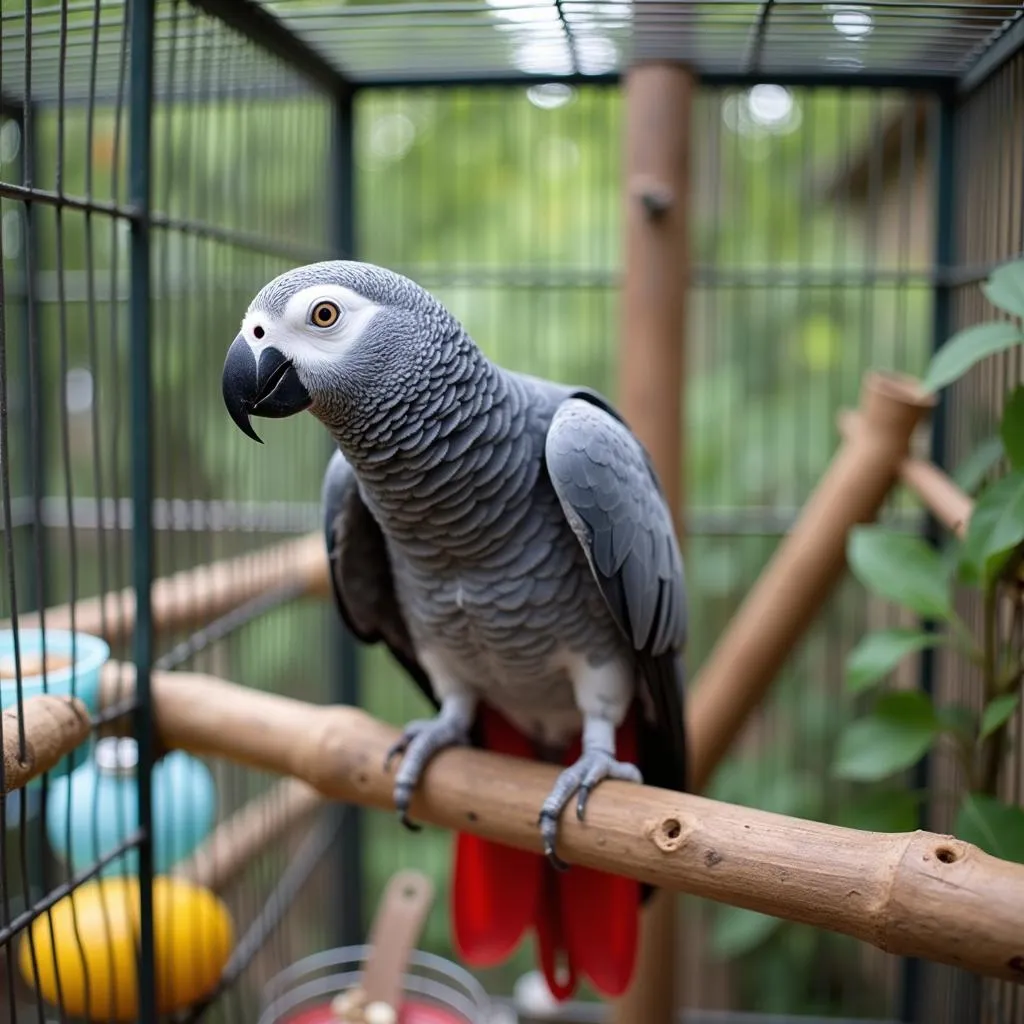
x=360, y=571
x=612, y=500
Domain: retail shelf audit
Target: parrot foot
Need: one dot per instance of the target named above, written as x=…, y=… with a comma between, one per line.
x=419, y=742
x=592, y=767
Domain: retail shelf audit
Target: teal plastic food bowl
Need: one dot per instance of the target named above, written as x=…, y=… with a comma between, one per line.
x=64, y=676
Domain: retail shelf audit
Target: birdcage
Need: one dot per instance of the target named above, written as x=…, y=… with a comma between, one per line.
x=724, y=215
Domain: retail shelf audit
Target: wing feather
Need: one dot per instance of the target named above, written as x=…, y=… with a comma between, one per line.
x=612, y=500
x=360, y=571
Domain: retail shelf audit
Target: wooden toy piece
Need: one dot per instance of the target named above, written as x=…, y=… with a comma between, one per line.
x=91, y=948
x=396, y=929
x=380, y=996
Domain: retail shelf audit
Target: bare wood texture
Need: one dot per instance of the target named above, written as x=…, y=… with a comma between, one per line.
x=912, y=894
x=805, y=567
x=397, y=926
x=934, y=489
x=54, y=727
x=240, y=838
x=656, y=265
x=659, y=99
x=194, y=597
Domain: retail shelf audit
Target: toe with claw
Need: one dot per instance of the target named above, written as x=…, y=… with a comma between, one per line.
x=419, y=742
x=581, y=778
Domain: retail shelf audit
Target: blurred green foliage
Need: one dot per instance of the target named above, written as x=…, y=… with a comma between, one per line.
x=903, y=726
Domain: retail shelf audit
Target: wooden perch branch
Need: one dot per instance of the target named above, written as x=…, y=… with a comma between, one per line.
x=242, y=837
x=934, y=489
x=914, y=894
x=54, y=727
x=805, y=568
x=194, y=597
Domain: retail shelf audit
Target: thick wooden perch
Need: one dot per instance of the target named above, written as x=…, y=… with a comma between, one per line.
x=54, y=727
x=914, y=894
x=194, y=597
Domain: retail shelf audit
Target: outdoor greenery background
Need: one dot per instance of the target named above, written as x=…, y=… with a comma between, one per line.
x=507, y=204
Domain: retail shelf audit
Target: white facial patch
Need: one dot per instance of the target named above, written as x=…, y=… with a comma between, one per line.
x=299, y=337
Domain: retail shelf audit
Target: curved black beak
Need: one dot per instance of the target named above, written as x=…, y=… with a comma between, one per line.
x=270, y=389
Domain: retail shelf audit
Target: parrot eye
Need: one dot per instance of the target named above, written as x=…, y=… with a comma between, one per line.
x=324, y=314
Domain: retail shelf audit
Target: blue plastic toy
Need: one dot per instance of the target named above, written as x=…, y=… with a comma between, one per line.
x=102, y=795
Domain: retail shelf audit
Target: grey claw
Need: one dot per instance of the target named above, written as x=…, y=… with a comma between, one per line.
x=581, y=801
x=555, y=861
x=396, y=748
x=579, y=778
x=419, y=742
x=549, y=832
x=403, y=795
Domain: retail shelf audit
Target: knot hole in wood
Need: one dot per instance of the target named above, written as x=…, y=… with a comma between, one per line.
x=668, y=834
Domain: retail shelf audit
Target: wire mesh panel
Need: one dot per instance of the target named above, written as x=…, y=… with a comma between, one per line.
x=813, y=260
x=241, y=188
x=814, y=239
x=481, y=39
x=985, y=225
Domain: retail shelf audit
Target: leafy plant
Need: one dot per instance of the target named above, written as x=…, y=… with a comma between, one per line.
x=903, y=726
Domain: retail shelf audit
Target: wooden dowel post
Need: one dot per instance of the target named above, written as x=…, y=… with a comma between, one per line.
x=658, y=100
x=194, y=597
x=911, y=894
x=804, y=569
x=240, y=838
x=933, y=488
x=54, y=727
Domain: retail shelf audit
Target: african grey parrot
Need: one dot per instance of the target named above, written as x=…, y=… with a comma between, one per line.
x=507, y=539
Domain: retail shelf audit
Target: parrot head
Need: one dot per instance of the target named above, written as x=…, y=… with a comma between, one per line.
x=328, y=337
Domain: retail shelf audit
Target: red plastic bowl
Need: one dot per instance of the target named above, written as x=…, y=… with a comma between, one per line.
x=411, y=1012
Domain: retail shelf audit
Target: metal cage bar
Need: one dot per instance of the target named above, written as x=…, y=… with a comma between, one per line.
x=344, y=660
x=140, y=162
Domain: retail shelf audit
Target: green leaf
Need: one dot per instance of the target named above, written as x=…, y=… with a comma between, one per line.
x=991, y=825
x=997, y=712
x=879, y=653
x=959, y=720
x=896, y=735
x=995, y=530
x=738, y=931
x=1012, y=427
x=1005, y=287
x=886, y=810
x=902, y=568
x=971, y=471
x=967, y=348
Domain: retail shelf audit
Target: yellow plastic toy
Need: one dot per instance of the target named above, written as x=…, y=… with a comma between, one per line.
x=193, y=933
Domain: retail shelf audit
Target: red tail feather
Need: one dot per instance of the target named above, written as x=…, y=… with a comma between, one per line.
x=586, y=921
